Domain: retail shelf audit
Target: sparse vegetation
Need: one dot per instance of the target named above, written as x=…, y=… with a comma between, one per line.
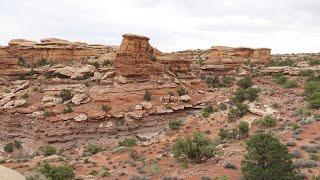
x=128, y=142
x=287, y=62
x=48, y=150
x=63, y=172
x=67, y=109
x=207, y=110
x=147, y=96
x=9, y=147
x=65, y=95
x=314, y=62
x=307, y=73
x=106, y=108
x=267, y=121
x=197, y=148
x=237, y=112
x=290, y=84
x=250, y=94
x=181, y=91
x=216, y=81
x=266, y=158
x=245, y=82
x=93, y=148
x=175, y=124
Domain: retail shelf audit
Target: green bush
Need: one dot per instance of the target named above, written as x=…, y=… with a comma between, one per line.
x=306, y=72
x=245, y=82
x=127, y=142
x=63, y=172
x=250, y=94
x=311, y=87
x=314, y=100
x=67, y=109
x=95, y=64
x=9, y=147
x=197, y=148
x=107, y=62
x=106, y=108
x=290, y=84
x=175, y=124
x=314, y=62
x=65, y=95
x=287, y=62
x=93, y=149
x=207, y=110
x=147, y=96
x=41, y=62
x=243, y=128
x=216, y=82
x=48, y=150
x=228, y=133
x=181, y=91
x=237, y=112
x=266, y=158
x=281, y=79
x=267, y=121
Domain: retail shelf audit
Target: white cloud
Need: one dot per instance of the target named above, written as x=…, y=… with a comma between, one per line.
x=284, y=26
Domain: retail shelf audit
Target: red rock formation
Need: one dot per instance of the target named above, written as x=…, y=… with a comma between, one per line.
x=135, y=57
x=53, y=50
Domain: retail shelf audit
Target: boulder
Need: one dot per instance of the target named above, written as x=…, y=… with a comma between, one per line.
x=81, y=117
x=185, y=98
x=146, y=105
x=78, y=99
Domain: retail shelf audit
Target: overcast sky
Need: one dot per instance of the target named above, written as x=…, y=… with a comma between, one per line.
x=285, y=26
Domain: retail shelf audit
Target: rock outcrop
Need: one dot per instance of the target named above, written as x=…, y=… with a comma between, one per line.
x=135, y=58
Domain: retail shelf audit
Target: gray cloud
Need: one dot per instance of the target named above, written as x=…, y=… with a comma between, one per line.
x=285, y=26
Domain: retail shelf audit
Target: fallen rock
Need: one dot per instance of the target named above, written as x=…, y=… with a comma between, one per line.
x=146, y=105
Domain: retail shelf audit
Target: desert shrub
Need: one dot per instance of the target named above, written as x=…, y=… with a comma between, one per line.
x=228, y=133
x=306, y=72
x=65, y=95
x=93, y=172
x=314, y=157
x=216, y=82
x=290, y=84
x=314, y=62
x=250, y=94
x=314, y=100
x=107, y=62
x=153, y=58
x=266, y=158
x=48, y=113
x=21, y=61
x=175, y=124
x=280, y=79
x=181, y=91
x=127, y=142
x=243, y=128
x=95, y=64
x=197, y=148
x=296, y=153
x=105, y=172
x=237, y=112
x=305, y=164
x=267, y=121
x=147, y=96
x=41, y=62
x=287, y=62
x=223, y=106
x=106, y=108
x=230, y=166
x=9, y=147
x=207, y=110
x=17, y=144
x=63, y=172
x=48, y=150
x=93, y=148
x=67, y=109
x=245, y=82
x=311, y=87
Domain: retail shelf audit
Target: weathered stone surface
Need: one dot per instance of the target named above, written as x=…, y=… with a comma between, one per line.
x=135, y=57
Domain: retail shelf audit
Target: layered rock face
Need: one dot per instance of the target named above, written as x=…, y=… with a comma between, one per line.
x=135, y=58
x=220, y=55
x=51, y=49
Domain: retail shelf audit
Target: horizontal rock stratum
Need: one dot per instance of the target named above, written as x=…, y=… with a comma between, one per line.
x=134, y=55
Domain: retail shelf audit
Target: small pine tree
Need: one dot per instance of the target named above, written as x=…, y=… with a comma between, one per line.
x=147, y=96
x=266, y=159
